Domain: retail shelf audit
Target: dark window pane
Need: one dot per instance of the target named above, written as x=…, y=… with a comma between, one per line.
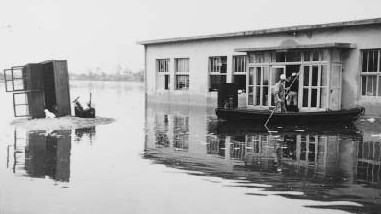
x=305, y=97
x=182, y=82
x=307, y=56
x=239, y=64
x=315, y=71
x=265, y=97
x=314, y=98
x=250, y=96
x=251, y=75
x=294, y=56
x=258, y=74
x=280, y=57
x=266, y=76
x=375, y=61
x=223, y=64
x=303, y=151
x=166, y=83
x=374, y=84
x=371, y=61
x=257, y=95
x=306, y=76
x=315, y=55
x=363, y=85
x=311, y=155
x=379, y=65
x=240, y=81
x=364, y=61
x=215, y=81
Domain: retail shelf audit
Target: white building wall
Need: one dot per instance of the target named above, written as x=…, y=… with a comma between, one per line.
x=198, y=52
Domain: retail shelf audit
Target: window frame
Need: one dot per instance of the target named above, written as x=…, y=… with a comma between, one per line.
x=240, y=71
x=216, y=70
x=266, y=60
x=367, y=74
x=185, y=71
x=164, y=74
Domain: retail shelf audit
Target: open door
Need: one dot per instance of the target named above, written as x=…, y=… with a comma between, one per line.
x=275, y=73
x=26, y=102
x=15, y=79
x=335, y=86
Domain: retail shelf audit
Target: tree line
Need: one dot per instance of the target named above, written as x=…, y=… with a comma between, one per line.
x=97, y=74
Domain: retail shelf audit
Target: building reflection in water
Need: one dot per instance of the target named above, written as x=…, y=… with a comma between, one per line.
x=325, y=163
x=87, y=132
x=42, y=154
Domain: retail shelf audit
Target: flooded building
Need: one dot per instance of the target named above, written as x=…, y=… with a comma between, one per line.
x=338, y=66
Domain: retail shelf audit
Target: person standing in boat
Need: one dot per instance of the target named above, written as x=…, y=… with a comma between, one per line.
x=280, y=93
x=292, y=85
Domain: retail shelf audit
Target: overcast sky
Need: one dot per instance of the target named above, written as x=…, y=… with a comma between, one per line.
x=103, y=33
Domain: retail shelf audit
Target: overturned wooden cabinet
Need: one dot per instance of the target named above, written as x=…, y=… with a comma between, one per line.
x=39, y=86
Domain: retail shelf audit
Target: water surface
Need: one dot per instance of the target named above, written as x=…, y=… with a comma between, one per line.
x=163, y=158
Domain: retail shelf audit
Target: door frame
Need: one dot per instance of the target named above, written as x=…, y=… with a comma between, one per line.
x=271, y=87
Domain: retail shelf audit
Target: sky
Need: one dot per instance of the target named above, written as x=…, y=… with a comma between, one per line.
x=104, y=33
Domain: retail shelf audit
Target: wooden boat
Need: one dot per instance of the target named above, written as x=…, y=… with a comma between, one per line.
x=261, y=116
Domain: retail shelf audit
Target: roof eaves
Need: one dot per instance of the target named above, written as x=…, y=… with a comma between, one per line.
x=265, y=31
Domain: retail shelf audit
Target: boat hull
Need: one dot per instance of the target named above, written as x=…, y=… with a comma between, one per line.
x=261, y=116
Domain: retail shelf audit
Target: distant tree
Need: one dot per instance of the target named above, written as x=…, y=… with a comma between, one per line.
x=121, y=73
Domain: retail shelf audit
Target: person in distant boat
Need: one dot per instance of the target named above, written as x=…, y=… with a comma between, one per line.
x=292, y=85
x=280, y=93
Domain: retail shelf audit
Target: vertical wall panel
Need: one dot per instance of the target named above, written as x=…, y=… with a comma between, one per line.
x=62, y=87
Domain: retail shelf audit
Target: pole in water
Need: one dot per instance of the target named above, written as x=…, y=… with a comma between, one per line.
x=268, y=119
x=276, y=107
x=90, y=100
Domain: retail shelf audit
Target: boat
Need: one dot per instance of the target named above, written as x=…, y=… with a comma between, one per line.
x=261, y=116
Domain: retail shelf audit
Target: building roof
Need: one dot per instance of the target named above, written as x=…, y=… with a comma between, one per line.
x=296, y=46
x=297, y=28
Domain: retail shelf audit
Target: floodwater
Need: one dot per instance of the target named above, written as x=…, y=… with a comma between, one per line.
x=162, y=158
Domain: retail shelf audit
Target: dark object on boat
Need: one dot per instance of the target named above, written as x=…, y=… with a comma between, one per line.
x=260, y=116
x=228, y=96
x=81, y=112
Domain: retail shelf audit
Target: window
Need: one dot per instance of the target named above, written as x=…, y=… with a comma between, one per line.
x=217, y=71
x=182, y=74
x=371, y=73
x=217, y=64
x=315, y=85
x=239, y=69
x=162, y=66
x=265, y=68
x=259, y=79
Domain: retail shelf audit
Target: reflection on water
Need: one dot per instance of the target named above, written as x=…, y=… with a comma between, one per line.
x=44, y=154
x=338, y=163
x=88, y=132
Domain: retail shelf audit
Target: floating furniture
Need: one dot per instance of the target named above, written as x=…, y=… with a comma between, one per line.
x=39, y=86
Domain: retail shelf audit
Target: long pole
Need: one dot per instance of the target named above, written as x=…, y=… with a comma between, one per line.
x=278, y=105
x=90, y=101
x=268, y=119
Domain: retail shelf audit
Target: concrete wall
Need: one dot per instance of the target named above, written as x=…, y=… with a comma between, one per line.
x=198, y=52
